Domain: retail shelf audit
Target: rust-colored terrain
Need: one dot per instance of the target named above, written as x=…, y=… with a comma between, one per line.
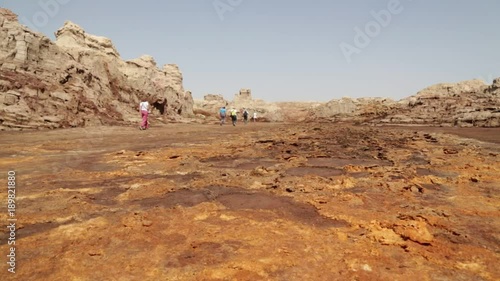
x=256, y=202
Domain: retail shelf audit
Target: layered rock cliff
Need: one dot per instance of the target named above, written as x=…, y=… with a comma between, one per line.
x=79, y=80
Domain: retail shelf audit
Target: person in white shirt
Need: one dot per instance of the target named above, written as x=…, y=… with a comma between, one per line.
x=144, y=109
x=255, y=116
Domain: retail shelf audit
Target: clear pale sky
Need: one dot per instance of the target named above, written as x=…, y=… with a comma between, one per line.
x=290, y=49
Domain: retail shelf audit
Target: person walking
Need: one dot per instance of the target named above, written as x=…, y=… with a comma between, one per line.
x=144, y=109
x=254, y=116
x=245, y=115
x=234, y=117
x=222, y=115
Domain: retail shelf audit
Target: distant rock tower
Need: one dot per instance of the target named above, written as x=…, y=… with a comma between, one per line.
x=244, y=95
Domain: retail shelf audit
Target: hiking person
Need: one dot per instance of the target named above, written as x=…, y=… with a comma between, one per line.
x=222, y=115
x=144, y=109
x=245, y=115
x=254, y=116
x=234, y=117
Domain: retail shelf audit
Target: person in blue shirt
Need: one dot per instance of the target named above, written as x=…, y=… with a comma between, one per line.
x=222, y=114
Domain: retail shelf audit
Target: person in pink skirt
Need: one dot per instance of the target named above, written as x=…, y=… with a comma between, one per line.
x=144, y=109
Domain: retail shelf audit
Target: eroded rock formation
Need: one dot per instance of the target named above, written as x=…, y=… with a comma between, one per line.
x=266, y=111
x=464, y=104
x=351, y=109
x=79, y=80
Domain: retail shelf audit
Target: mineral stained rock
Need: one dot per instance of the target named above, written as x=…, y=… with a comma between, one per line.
x=262, y=201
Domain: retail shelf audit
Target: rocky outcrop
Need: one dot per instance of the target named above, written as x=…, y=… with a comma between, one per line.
x=78, y=43
x=243, y=97
x=352, y=109
x=464, y=104
x=208, y=108
x=79, y=80
x=266, y=111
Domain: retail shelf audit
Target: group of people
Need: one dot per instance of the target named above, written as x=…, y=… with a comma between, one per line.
x=145, y=110
x=233, y=113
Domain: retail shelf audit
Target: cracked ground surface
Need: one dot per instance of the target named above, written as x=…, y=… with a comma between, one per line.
x=256, y=202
